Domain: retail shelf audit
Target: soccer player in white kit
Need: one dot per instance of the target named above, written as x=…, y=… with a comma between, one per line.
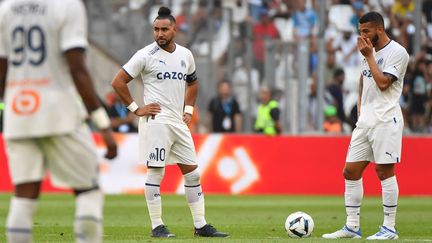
x=43, y=79
x=378, y=133
x=170, y=90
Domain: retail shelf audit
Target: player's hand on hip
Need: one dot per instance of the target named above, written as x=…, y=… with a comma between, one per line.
x=151, y=109
x=364, y=45
x=110, y=143
x=187, y=118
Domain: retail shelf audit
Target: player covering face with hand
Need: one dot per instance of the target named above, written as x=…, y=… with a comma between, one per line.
x=166, y=70
x=378, y=134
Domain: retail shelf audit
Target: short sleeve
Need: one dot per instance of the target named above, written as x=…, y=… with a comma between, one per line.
x=135, y=65
x=3, y=43
x=397, y=63
x=74, y=29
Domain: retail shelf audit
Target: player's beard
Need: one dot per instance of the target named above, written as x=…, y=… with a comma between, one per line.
x=164, y=43
x=375, y=40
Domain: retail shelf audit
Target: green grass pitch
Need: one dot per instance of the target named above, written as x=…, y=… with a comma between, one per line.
x=257, y=218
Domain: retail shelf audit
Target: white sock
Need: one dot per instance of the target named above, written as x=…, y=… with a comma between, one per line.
x=154, y=205
x=88, y=217
x=20, y=219
x=353, y=198
x=195, y=198
x=390, y=192
x=153, y=196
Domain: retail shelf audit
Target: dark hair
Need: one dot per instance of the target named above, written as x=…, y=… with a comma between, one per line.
x=337, y=72
x=373, y=17
x=165, y=13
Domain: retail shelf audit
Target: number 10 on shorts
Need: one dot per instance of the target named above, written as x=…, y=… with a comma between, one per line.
x=158, y=155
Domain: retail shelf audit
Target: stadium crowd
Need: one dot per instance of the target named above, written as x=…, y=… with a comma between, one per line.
x=294, y=21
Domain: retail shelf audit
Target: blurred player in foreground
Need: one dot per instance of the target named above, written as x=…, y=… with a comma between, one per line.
x=43, y=78
x=167, y=70
x=378, y=133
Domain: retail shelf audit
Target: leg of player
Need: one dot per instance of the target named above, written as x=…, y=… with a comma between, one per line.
x=390, y=192
x=88, y=216
x=353, y=196
x=154, y=202
x=22, y=208
x=195, y=198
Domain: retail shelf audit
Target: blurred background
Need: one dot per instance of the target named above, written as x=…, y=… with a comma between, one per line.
x=300, y=53
x=292, y=60
x=303, y=51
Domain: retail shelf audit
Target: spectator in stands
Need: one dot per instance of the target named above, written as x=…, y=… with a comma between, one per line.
x=183, y=22
x=358, y=8
x=262, y=31
x=345, y=45
x=305, y=20
x=330, y=66
x=122, y=120
x=336, y=90
x=255, y=8
x=402, y=14
x=268, y=115
x=224, y=111
x=418, y=97
x=313, y=103
x=241, y=83
x=332, y=123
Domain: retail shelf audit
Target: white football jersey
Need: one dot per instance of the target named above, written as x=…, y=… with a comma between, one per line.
x=164, y=75
x=378, y=107
x=41, y=98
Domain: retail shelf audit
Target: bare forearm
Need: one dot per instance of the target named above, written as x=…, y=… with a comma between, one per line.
x=85, y=88
x=238, y=122
x=191, y=93
x=382, y=81
x=119, y=85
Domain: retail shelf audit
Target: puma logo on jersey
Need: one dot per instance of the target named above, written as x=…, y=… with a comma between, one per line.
x=171, y=75
x=162, y=62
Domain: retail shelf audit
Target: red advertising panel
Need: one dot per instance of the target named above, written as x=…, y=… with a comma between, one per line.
x=253, y=164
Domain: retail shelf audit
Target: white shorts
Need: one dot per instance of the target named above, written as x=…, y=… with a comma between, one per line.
x=165, y=144
x=382, y=145
x=71, y=159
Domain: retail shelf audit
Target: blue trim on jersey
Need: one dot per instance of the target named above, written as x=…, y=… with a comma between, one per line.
x=148, y=184
x=385, y=45
x=19, y=230
x=128, y=73
x=89, y=218
x=192, y=186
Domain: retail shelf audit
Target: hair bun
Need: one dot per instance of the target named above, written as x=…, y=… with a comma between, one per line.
x=164, y=11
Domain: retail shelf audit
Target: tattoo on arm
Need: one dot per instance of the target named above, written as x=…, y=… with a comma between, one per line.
x=390, y=78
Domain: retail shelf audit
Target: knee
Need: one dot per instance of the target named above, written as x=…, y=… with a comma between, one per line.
x=28, y=190
x=155, y=175
x=351, y=174
x=383, y=173
x=192, y=178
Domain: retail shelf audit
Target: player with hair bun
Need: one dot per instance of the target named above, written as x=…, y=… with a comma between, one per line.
x=166, y=70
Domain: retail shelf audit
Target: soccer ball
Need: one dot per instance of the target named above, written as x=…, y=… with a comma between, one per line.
x=299, y=225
